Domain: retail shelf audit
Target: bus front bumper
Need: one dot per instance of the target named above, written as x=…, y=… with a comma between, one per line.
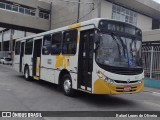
x=102, y=87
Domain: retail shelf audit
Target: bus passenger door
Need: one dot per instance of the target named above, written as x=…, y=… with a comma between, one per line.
x=85, y=60
x=37, y=58
x=21, y=57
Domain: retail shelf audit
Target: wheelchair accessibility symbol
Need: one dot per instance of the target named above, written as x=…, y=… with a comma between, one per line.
x=130, y=62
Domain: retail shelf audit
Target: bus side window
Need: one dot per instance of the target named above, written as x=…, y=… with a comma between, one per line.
x=29, y=47
x=46, y=45
x=70, y=42
x=56, y=44
x=17, y=48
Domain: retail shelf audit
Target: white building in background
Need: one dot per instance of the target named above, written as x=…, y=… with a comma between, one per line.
x=144, y=14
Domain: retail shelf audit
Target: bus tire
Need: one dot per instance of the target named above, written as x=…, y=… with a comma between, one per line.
x=67, y=86
x=26, y=73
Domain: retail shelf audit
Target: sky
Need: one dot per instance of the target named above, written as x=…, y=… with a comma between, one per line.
x=157, y=1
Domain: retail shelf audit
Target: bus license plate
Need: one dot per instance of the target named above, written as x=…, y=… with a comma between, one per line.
x=127, y=89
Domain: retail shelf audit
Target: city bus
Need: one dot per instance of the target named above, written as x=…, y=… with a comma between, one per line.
x=98, y=56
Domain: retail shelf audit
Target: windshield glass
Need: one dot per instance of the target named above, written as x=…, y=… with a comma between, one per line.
x=119, y=51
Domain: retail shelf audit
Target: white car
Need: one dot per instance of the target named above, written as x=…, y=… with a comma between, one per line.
x=6, y=60
x=1, y=60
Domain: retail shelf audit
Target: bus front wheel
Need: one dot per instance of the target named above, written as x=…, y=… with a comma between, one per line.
x=67, y=86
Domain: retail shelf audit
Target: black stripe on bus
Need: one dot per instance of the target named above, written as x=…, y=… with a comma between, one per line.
x=58, y=69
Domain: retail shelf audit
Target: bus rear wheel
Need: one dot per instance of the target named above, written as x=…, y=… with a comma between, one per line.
x=26, y=73
x=67, y=86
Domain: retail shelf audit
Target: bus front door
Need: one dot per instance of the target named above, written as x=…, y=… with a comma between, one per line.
x=37, y=59
x=21, y=57
x=85, y=60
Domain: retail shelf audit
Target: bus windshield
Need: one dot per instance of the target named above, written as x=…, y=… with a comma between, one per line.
x=119, y=51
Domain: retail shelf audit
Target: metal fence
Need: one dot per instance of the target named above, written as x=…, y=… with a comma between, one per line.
x=151, y=61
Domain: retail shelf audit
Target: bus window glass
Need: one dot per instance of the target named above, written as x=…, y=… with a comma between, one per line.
x=46, y=45
x=29, y=47
x=56, y=44
x=70, y=42
x=17, y=48
x=130, y=30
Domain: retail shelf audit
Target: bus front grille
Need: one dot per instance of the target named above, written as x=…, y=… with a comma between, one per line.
x=121, y=89
x=125, y=82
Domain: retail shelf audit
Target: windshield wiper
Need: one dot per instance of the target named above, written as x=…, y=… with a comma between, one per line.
x=119, y=46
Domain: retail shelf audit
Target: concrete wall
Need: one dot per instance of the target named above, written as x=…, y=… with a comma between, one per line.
x=17, y=34
x=106, y=9
x=66, y=13
x=151, y=35
x=63, y=13
x=9, y=18
x=15, y=20
x=33, y=3
x=90, y=11
x=144, y=22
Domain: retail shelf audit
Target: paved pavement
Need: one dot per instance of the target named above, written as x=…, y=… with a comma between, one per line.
x=16, y=94
x=152, y=90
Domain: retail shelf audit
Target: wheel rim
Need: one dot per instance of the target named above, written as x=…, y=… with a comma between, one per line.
x=26, y=74
x=67, y=85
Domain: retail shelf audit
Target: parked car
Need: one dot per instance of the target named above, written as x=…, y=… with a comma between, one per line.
x=1, y=60
x=6, y=60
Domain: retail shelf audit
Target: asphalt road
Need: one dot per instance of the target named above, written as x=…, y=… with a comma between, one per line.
x=16, y=94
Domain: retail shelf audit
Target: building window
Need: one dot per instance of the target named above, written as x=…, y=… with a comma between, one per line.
x=8, y=7
x=2, y=5
x=21, y=10
x=44, y=14
x=27, y=11
x=18, y=8
x=70, y=42
x=33, y=12
x=15, y=8
x=40, y=14
x=123, y=14
x=29, y=47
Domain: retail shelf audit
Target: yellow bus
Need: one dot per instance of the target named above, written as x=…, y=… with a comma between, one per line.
x=98, y=56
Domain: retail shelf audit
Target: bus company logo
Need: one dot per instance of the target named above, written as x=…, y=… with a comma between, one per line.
x=128, y=81
x=6, y=114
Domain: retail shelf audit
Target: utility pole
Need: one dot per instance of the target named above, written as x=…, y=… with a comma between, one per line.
x=78, y=11
x=2, y=41
x=11, y=44
x=51, y=15
x=99, y=10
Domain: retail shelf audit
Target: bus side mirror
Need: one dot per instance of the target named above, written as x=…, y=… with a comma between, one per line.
x=96, y=38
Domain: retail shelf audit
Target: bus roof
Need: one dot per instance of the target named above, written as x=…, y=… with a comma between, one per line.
x=94, y=21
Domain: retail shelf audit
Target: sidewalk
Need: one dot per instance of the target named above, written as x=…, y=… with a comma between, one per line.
x=151, y=90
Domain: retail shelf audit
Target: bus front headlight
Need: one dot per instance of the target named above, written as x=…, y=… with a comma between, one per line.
x=109, y=80
x=105, y=78
x=100, y=74
x=140, y=81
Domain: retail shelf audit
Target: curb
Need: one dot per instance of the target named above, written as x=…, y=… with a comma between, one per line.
x=152, y=83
